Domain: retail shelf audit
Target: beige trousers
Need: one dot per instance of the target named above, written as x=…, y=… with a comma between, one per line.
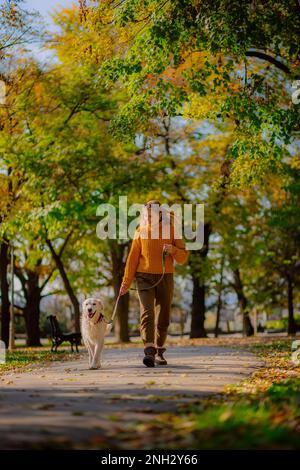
x=155, y=307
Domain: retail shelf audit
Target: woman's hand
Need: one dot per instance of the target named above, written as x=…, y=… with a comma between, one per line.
x=168, y=249
x=123, y=289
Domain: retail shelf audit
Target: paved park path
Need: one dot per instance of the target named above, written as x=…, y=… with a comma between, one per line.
x=64, y=402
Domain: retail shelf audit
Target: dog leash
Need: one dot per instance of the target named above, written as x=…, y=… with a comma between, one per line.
x=164, y=256
x=114, y=311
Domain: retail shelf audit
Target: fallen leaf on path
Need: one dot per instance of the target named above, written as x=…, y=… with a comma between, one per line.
x=46, y=406
x=225, y=416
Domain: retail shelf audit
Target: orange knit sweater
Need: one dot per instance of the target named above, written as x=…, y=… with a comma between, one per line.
x=146, y=254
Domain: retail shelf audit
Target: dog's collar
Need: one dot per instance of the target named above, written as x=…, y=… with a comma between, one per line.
x=101, y=317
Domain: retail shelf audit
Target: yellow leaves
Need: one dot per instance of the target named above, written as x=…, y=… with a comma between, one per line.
x=70, y=15
x=103, y=33
x=104, y=14
x=4, y=193
x=91, y=39
x=43, y=270
x=295, y=162
x=39, y=92
x=126, y=35
x=277, y=193
x=150, y=382
x=174, y=76
x=9, y=200
x=254, y=157
x=188, y=61
x=215, y=144
x=71, y=36
x=200, y=107
x=225, y=416
x=234, y=86
x=193, y=59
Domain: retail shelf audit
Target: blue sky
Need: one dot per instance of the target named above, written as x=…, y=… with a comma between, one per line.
x=45, y=7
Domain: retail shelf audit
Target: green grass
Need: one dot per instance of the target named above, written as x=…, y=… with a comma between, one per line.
x=266, y=421
x=271, y=348
x=22, y=357
x=264, y=412
x=281, y=323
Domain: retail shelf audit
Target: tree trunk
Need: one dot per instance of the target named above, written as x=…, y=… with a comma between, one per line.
x=5, y=304
x=291, y=319
x=219, y=303
x=248, y=329
x=32, y=309
x=121, y=323
x=68, y=287
x=218, y=315
x=198, y=301
x=198, y=310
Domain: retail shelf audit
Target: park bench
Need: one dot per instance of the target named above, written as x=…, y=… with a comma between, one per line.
x=58, y=337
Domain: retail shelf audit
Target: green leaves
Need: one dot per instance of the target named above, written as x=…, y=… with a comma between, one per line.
x=181, y=49
x=132, y=118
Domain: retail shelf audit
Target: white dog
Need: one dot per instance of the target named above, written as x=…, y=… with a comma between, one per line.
x=93, y=329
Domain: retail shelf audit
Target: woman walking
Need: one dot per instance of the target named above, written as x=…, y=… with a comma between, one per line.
x=151, y=262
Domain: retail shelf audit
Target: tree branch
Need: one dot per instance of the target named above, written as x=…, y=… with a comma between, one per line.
x=47, y=279
x=65, y=243
x=52, y=293
x=270, y=59
x=22, y=279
